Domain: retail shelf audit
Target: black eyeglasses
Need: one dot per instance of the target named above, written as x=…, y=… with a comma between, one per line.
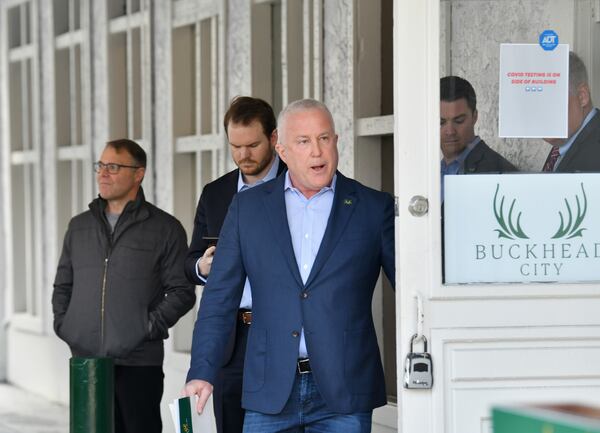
x=112, y=167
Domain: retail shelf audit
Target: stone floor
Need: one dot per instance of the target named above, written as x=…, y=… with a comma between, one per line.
x=21, y=412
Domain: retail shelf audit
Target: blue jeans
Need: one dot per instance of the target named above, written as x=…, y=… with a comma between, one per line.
x=306, y=412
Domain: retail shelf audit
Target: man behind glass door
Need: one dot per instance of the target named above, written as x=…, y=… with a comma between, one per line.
x=463, y=151
x=581, y=150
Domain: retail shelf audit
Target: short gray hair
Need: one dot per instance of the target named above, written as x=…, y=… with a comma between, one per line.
x=301, y=105
x=577, y=72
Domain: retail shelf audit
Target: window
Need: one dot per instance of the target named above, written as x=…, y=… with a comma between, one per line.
x=22, y=163
x=72, y=110
x=287, y=39
x=128, y=53
x=199, y=143
x=129, y=81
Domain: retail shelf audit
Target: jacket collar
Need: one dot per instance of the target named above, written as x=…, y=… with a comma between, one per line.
x=473, y=158
x=133, y=212
x=345, y=201
x=99, y=204
x=583, y=135
x=275, y=202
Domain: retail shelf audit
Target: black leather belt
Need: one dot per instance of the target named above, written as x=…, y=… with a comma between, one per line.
x=245, y=316
x=303, y=366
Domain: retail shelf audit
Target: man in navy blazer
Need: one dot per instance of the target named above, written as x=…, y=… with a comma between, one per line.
x=311, y=243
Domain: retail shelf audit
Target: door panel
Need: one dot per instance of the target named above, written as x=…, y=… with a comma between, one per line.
x=510, y=366
x=491, y=343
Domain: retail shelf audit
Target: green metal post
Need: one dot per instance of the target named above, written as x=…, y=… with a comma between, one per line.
x=92, y=395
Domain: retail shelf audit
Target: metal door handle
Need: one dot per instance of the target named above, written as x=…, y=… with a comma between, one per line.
x=418, y=206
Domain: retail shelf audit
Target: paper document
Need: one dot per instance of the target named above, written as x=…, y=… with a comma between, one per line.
x=187, y=420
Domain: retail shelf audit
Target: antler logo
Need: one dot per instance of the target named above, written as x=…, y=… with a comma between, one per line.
x=507, y=228
x=571, y=229
x=570, y=224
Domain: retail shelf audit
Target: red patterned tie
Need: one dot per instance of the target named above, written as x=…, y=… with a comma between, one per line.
x=554, y=154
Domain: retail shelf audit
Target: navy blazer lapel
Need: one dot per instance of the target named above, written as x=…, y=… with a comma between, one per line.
x=469, y=165
x=232, y=183
x=345, y=201
x=583, y=137
x=275, y=203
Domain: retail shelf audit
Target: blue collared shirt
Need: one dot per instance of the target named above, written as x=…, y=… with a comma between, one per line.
x=565, y=147
x=456, y=166
x=242, y=186
x=271, y=174
x=307, y=220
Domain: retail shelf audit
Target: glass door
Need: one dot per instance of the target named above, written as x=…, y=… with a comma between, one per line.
x=502, y=330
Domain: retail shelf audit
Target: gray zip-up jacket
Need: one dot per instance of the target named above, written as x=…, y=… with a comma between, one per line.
x=117, y=295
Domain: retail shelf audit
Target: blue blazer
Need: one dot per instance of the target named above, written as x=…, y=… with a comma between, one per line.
x=334, y=306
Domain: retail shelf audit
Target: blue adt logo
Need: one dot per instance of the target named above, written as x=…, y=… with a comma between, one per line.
x=548, y=40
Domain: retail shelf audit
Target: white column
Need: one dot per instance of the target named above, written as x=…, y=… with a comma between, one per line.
x=239, y=63
x=163, y=108
x=338, y=83
x=48, y=163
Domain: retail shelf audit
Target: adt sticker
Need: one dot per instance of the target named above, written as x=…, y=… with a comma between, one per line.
x=548, y=40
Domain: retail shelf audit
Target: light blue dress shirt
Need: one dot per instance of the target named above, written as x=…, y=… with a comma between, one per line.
x=565, y=147
x=242, y=186
x=307, y=220
x=456, y=166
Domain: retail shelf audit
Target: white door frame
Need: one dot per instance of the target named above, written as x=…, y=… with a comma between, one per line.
x=3, y=343
x=3, y=308
x=416, y=88
x=518, y=327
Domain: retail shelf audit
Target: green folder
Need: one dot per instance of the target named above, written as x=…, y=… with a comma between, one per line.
x=187, y=420
x=185, y=416
x=564, y=418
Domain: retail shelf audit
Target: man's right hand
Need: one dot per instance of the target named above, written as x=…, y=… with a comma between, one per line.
x=206, y=260
x=201, y=388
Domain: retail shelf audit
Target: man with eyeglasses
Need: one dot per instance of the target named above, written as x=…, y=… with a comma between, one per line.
x=120, y=285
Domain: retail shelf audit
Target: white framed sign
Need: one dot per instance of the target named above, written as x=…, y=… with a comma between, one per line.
x=522, y=228
x=533, y=91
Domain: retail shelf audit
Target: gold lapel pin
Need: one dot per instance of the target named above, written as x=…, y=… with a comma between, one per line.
x=347, y=201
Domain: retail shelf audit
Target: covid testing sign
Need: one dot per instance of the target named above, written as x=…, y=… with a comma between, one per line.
x=534, y=89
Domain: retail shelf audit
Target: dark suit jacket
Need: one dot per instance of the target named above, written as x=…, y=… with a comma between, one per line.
x=483, y=159
x=334, y=306
x=584, y=153
x=210, y=214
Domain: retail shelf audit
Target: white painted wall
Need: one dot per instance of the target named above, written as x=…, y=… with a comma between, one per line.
x=39, y=363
